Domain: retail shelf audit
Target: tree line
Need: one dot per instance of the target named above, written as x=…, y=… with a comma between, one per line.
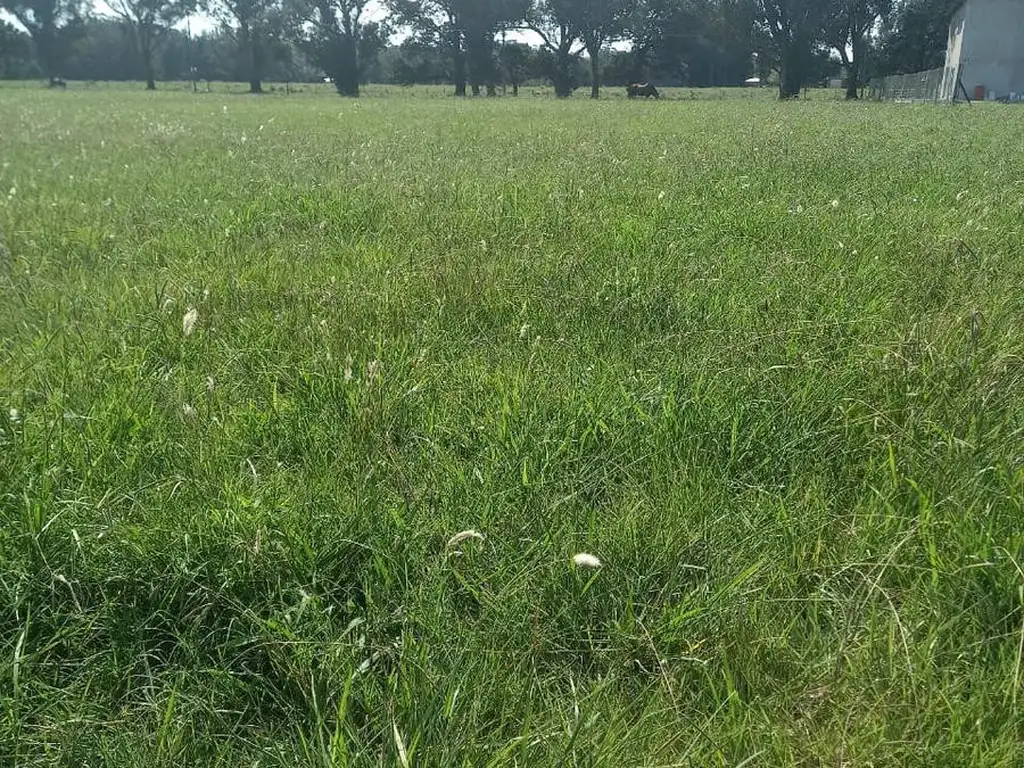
x=476, y=44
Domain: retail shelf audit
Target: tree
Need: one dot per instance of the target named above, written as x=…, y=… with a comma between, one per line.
x=589, y=24
x=646, y=29
x=915, y=35
x=259, y=27
x=436, y=23
x=481, y=21
x=53, y=26
x=342, y=41
x=518, y=62
x=553, y=23
x=599, y=22
x=793, y=28
x=103, y=51
x=16, y=59
x=730, y=31
x=465, y=31
x=149, y=21
x=413, y=62
x=692, y=42
x=848, y=28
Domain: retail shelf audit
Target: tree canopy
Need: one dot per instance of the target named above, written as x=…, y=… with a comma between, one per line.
x=479, y=45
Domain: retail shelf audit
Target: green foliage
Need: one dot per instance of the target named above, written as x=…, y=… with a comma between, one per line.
x=53, y=25
x=16, y=57
x=708, y=43
x=340, y=40
x=915, y=39
x=849, y=30
x=149, y=22
x=261, y=29
x=793, y=29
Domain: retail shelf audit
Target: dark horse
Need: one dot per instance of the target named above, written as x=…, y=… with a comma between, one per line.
x=646, y=90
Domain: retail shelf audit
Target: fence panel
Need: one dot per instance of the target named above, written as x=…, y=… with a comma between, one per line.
x=916, y=87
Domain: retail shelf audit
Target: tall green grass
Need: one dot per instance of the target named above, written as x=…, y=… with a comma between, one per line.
x=764, y=361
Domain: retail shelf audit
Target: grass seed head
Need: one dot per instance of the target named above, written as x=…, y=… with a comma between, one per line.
x=372, y=371
x=462, y=536
x=585, y=560
x=188, y=322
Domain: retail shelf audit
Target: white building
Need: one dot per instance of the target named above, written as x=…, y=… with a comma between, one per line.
x=986, y=51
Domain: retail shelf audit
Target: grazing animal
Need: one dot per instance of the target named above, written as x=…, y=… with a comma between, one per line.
x=58, y=82
x=645, y=90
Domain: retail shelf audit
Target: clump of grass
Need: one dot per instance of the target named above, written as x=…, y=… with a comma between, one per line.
x=791, y=429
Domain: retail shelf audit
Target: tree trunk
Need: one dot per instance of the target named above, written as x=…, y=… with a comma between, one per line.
x=458, y=66
x=563, y=89
x=515, y=88
x=346, y=78
x=853, y=69
x=595, y=73
x=480, y=58
x=492, y=90
x=347, y=86
x=791, y=74
x=255, y=81
x=563, y=74
x=46, y=51
x=146, y=49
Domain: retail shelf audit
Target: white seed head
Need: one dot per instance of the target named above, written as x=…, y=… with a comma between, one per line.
x=14, y=415
x=188, y=322
x=835, y=203
x=210, y=384
x=348, y=368
x=462, y=536
x=188, y=411
x=584, y=560
x=372, y=370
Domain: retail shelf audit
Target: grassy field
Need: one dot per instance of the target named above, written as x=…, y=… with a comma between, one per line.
x=766, y=362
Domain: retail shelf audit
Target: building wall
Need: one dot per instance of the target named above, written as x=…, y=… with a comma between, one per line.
x=954, y=55
x=987, y=38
